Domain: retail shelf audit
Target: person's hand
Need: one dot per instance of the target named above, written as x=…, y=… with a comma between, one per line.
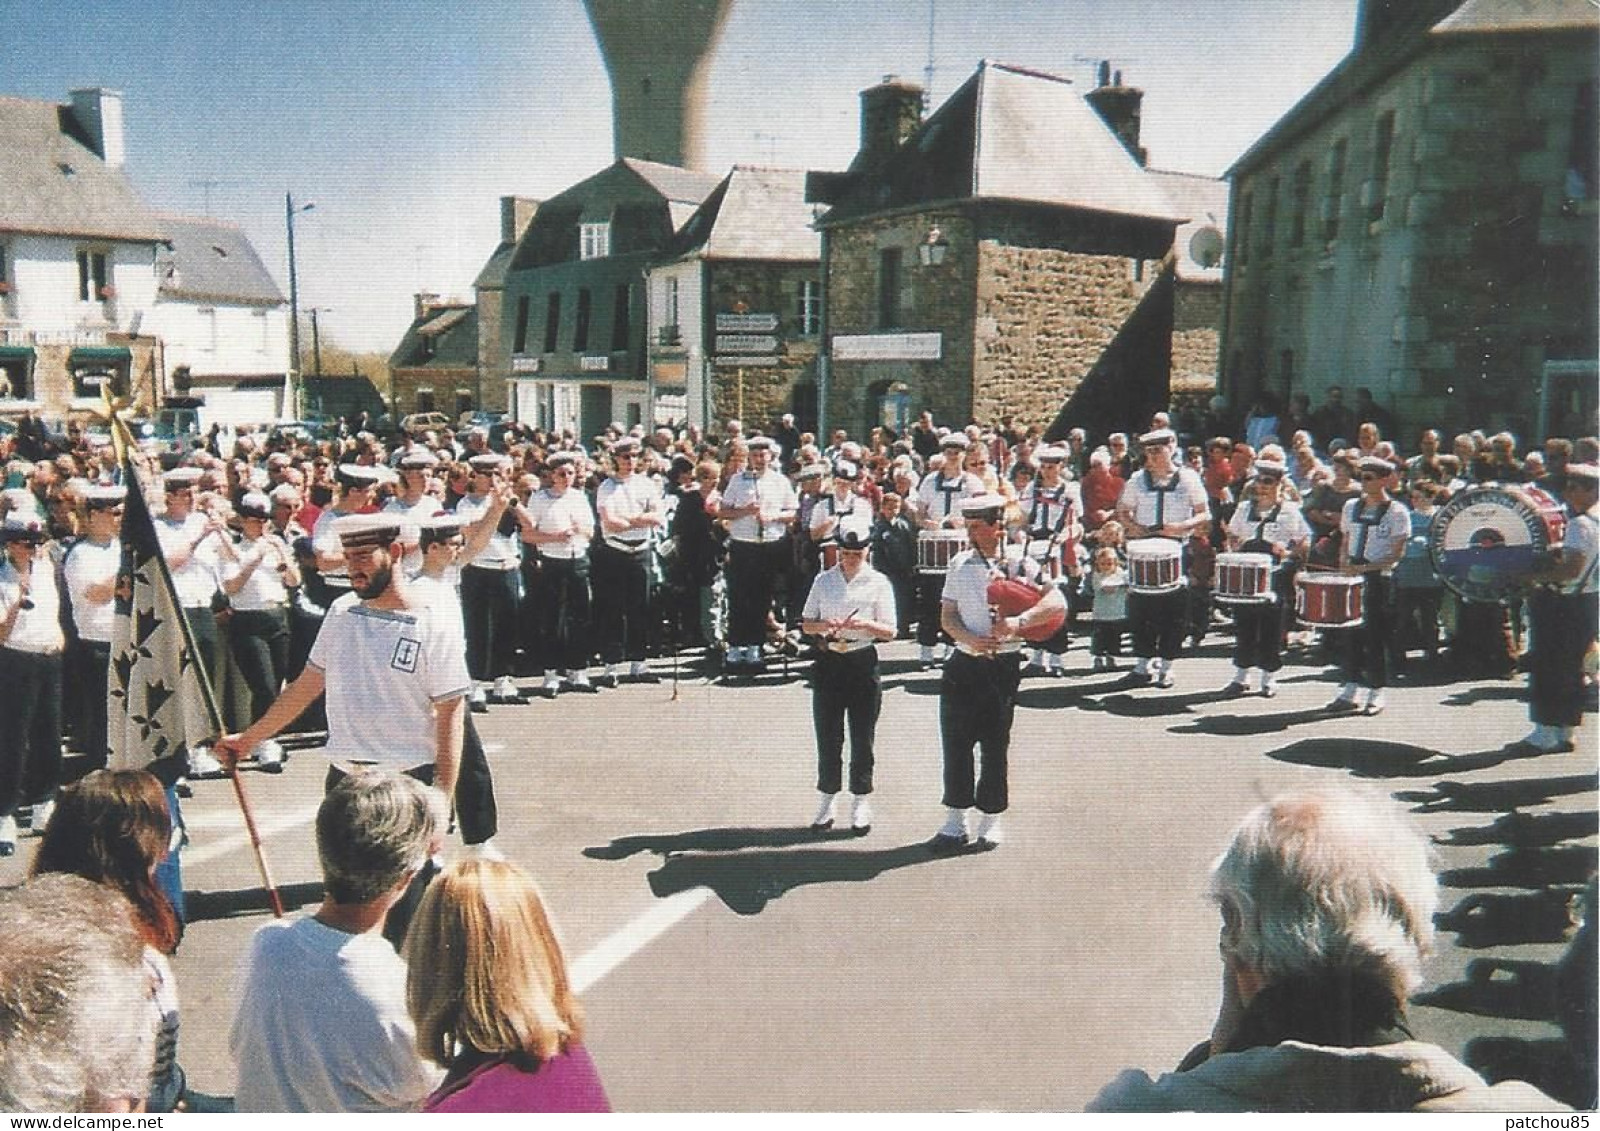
x=229, y=749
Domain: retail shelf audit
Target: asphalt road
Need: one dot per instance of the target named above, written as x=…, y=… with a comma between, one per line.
x=731, y=960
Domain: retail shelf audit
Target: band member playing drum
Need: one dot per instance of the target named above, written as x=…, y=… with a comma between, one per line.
x=851, y=608
x=1163, y=501
x=839, y=510
x=1265, y=524
x=1563, y=613
x=978, y=689
x=759, y=506
x=1375, y=531
x=1052, y=530
x=939, y=497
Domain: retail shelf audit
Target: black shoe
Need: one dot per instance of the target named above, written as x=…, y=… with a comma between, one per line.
x=607, y=681
x=645, y=677
x=1234, y=690
x=1342, y=706
x=822, y=826
x=943, y=842
x=551, y=692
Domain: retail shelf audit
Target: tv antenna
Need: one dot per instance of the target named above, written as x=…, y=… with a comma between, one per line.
x=927, y=72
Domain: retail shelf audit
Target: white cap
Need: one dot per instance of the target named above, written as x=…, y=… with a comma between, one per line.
x=1158, y=436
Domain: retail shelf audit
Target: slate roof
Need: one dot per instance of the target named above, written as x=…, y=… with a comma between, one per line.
x=211, y=259
x=673, y=182
x=1205, y=201
x=494, y=270
x=1368, y=66
x=755, y=213
x=452, y=332
x=1010, y=134
x=53, y=183
x=644, y=201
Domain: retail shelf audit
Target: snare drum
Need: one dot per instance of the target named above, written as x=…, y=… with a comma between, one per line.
x=1244, y=579
x=1489, y=539
x=1155, y=565
x=1329, y=600
x=936, y=548
x=1055, y=559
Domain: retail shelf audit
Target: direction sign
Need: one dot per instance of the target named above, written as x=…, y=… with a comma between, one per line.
x=746, y=343
x=746, y=323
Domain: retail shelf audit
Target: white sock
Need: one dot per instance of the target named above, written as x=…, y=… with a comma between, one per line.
x=1349, y=691
x=1241, y=676
x=1141, y=666
x=955, y=822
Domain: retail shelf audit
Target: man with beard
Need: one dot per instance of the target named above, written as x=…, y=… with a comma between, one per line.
x=380, y=644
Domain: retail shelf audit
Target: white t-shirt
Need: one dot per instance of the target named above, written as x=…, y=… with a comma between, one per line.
x=854, y=513
x=1288, y=527
x=402, y=660
x=37, y=629
x=503, y=550
x=776, y=496
x=322, y=1024
x=196, y=581
x=623, y=499
x=425, y=507
x=443, y=596
x=1374, y=541
x=869, y=596
x=967, y=584
x=90, y=564
x=1045, y=508
x=263, y=590
x=1181, y=500
x=555, y=514
x=1583, y=537
x=939, y=498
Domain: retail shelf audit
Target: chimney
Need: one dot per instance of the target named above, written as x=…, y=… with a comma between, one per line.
x=99, y=114
x=516, y=213
x=426, y=301
x=1119, y=106
x=890, y=113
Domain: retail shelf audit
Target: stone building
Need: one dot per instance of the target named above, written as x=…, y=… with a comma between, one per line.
x=736, y=310
x=1004, y=257
x=495, y=371
x=1197, y=280
x=1423, y=224
x=435, y=366
x=574, y=311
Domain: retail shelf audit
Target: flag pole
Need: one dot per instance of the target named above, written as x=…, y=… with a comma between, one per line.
x=124, y=442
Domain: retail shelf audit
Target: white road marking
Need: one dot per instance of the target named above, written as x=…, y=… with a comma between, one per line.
x=623, y=944
x=240, y=841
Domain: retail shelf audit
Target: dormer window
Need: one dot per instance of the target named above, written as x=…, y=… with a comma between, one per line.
x=594, y=241
x=94, y=282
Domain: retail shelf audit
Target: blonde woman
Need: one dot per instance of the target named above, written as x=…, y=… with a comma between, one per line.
x=487, y=989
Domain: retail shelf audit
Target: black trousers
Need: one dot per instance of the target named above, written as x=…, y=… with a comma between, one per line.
x=489, y=608
x=207, y=642
x=845, y=687
x=91, y=663
x=930, y=590
x=1258, y=636
x=754, y=571
x=1107, y=637
x=1366, y=648
x=1157, y=622
x=259, y=640
x=30, y=728
x=623, y=595
x=977, y=699
x=563, y=641
x=1563, y=629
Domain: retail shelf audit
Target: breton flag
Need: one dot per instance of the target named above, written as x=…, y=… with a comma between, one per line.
x=159, y=705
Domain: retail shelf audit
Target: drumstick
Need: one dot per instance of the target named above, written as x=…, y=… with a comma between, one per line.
x=847, y=616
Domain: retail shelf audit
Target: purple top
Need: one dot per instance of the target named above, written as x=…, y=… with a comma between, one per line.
x=566, y=1083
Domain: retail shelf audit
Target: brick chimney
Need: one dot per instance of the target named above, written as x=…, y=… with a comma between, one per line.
x=890, y=113
x=1119, y=106
x=516, y=213
x=426, y=302
x=99, y=114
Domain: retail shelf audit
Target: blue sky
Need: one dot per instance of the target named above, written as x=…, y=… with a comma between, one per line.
x=405, y=122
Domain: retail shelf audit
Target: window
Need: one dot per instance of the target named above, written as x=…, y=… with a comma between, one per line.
x=262, y=335
x=594, y=241
x=1301, y=193
x=425, y=401
x=5, y=269
x=889, y=260
x=519, y=331
x=463, y=402
x=552, y=321
x=208, y=329
x=1333, y=202
x=580, y=329
x=1583, y=166
x=621, y=315
x=1382, y=150
x=1269, y=223
x=93, y=282
x=1286, y=370
x=671, y=331
x=809, y=308
x=1241, y=240
x=16, y=371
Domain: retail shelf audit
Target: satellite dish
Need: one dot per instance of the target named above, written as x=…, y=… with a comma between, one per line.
x=1205, y=247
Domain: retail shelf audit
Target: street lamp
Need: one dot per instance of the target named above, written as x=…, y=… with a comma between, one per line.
x=933, y=247
x=289, y=210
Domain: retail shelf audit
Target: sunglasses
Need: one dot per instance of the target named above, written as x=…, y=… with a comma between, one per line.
x=1270, y=478
x=1367, y=475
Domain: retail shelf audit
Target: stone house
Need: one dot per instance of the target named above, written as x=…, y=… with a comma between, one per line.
x=495, y=370
x=1006, y=256
x=736, y=310
x=1422, y=223
x=573, y=324
x=435, y=366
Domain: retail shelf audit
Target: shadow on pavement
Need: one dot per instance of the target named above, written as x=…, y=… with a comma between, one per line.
x=714, y=840
x=746, y=882
x=1548, y=1065
x=205, y=905
x=1483, y=694
x=1234, y=726
x=1528, y=830
x=1527, y=868
x=1154, y=704
x=1486, y=919
x=1499, y=987
x=1497, y=796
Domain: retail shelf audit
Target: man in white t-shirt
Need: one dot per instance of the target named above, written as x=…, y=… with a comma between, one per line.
x=322, y=1024
x=90, y=571
x=1563, y=614
x=559, y=524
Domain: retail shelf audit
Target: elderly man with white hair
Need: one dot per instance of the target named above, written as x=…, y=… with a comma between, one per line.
x=1327, y=901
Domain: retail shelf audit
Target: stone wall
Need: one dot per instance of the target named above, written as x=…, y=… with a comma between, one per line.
x=1196, y=318
x=759, y=395
x=493, y=356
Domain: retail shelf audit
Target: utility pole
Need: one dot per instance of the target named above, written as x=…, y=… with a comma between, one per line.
x=289, y=210
x=316, y=337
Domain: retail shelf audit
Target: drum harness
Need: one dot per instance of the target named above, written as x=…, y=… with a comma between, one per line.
x=1364, y=525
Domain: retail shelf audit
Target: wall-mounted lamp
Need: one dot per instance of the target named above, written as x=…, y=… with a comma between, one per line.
x=933, y=247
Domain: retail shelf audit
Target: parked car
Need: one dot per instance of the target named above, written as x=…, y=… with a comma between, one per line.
x=424, y=422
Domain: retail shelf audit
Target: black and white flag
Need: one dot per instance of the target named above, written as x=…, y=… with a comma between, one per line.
x=158, y=692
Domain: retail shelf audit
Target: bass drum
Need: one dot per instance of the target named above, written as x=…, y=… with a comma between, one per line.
x=1487, y=540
